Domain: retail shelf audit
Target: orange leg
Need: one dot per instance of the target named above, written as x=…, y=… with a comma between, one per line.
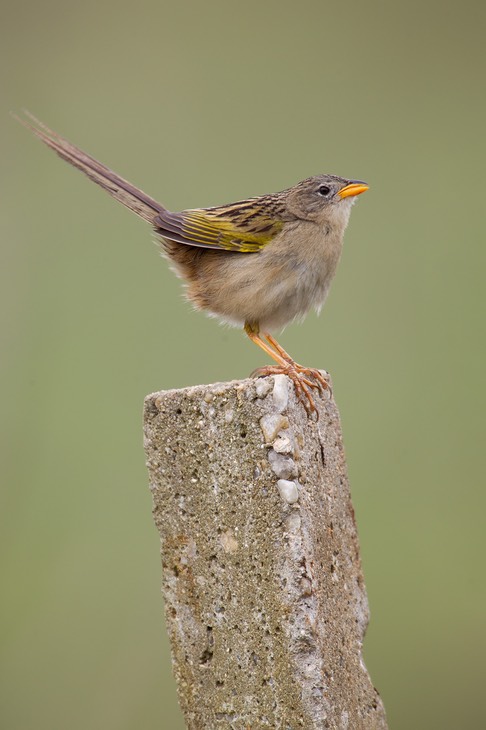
x=321, y=382
x=303, y=378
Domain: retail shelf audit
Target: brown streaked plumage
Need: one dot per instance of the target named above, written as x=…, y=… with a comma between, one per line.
x=258, y=263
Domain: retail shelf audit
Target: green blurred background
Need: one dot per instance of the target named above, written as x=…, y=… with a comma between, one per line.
x=200, y=104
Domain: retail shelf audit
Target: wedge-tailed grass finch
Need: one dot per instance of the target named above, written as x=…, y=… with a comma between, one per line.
x=258, y=263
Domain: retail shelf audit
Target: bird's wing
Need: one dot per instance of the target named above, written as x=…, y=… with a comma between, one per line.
x=244, y=227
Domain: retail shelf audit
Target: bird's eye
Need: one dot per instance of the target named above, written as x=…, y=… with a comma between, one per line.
x=324, y=190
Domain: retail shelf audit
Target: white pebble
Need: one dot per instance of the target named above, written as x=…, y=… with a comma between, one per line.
x=293, y=522
x=228, y=541
x=288, y=490
x=282, y=445
x=271, y=424
x=280, y=392
x=282, y=466
x=262, y=386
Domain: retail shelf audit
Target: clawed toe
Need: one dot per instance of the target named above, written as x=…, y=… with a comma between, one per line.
x=315, y=379
x=304, y=380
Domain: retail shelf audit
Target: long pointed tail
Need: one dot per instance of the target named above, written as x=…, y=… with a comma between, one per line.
x=130, y=196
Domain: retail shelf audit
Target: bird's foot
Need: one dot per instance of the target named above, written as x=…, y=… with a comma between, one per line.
x=304, y=379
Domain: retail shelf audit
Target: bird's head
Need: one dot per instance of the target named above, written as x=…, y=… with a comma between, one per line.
x=324, y=198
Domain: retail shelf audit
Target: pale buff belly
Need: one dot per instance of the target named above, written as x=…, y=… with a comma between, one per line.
x=263, y=290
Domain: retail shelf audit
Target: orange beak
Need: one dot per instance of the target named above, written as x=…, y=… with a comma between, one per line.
x=355, y=187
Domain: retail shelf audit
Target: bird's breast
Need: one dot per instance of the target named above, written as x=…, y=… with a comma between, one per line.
x=304, y=265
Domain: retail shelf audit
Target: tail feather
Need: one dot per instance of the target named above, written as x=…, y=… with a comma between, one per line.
x=120, y=189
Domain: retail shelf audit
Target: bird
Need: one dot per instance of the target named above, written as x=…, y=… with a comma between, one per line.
x=259, y=263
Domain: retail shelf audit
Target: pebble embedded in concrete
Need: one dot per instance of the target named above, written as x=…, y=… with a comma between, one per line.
x=280, y=392
x=282, y=466
x=282, y=444
x=262, y=387
x=228, y=541
x=271, y=424
x=293, y=522
x=288, y=490
x=229, y=415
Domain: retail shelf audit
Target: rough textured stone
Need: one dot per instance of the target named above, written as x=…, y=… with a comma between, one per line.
x=265, y=601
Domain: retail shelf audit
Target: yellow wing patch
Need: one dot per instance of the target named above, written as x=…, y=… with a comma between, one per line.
x=243, y=227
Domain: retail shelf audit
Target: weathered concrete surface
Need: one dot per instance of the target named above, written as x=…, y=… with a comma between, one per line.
x=264, y=595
